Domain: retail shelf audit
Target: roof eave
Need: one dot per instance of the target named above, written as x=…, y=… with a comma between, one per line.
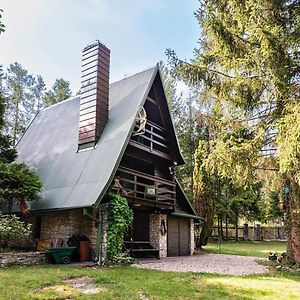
x=180, y=158
x=185, y=195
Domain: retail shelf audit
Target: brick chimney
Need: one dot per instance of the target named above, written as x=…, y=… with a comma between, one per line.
x=94, y=94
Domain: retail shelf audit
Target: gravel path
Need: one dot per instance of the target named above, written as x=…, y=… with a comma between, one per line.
x=206, y=263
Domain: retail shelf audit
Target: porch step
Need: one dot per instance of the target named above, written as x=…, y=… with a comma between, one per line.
x=141, y=249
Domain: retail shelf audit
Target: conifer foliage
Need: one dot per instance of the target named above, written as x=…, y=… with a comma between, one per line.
x=248, y=66
x=18, y=184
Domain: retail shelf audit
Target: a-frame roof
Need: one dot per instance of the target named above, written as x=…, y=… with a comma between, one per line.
x=49, y=146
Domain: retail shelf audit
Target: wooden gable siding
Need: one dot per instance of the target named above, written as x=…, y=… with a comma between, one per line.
x=149, y=157
x=158, y=130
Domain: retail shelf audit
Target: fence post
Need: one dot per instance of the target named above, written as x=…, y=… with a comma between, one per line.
x=257, y=235
x=246, y=232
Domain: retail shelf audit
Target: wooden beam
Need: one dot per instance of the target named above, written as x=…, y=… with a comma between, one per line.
x=147, y=149
x=152, y=100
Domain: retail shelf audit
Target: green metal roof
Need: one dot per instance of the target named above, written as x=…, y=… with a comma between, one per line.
x=187, y=216
x=49, y=146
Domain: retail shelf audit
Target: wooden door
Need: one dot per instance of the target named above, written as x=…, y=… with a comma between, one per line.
x=184, y=237
x=173, y=237
x=178, y=236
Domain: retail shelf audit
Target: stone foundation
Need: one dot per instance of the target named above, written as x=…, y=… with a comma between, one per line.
x=22, y=259
x=192, y=237
x=63, y=224
x=157, y=239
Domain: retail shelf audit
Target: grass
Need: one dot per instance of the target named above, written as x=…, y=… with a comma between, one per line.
x=253, y=248
x=47, y=282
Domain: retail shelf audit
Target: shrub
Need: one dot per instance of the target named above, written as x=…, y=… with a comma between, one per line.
x=11, y=227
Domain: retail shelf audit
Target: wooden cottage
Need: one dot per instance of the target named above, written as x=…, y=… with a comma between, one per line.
x=113, y=137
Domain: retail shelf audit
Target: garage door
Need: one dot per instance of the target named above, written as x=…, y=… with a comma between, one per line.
x=178, y=236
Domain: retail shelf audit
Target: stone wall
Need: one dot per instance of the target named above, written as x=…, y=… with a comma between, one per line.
x=157, y=239
x=62, y=224
x=22, y=259
x=192, y=237
x=103, y=219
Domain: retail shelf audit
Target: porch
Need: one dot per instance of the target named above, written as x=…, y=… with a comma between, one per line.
x=145, y=237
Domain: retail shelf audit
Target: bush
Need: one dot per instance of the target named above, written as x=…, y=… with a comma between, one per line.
x=11, y=227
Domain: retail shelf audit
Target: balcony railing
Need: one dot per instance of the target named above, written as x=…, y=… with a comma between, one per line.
x=145, y=189
x=154, y=138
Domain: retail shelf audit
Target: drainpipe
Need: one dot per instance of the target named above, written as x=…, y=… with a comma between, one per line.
x=99, y=235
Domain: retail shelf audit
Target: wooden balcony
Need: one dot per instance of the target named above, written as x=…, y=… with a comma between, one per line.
x=153, y=140
x=146, y=190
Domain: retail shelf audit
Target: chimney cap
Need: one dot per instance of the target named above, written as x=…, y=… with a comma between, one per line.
x=94, y=44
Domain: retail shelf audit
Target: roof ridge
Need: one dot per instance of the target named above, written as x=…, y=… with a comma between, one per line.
x=125, y=78
x=138, y=73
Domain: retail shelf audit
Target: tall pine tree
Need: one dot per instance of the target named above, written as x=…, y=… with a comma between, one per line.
x=248, y=64
x=60, y=91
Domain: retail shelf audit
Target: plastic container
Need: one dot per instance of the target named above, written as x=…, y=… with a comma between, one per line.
x=84, y=251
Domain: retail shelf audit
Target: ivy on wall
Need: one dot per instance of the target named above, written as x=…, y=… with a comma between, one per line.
x=120, y=217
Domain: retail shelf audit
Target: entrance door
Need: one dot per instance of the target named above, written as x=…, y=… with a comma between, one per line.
x=140, y=226
x=178, y=236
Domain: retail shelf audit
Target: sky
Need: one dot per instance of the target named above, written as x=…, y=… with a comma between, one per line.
x=47, y=36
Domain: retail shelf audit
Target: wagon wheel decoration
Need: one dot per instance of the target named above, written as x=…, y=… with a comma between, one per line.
x=140, y=121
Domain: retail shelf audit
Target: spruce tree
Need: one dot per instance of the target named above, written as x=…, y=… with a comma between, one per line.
x=248, y=66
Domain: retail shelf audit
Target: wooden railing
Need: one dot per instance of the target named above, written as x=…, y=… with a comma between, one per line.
x=138, y=186
x=154, y=138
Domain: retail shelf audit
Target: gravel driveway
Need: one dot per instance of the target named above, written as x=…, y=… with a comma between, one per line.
x=206, y=263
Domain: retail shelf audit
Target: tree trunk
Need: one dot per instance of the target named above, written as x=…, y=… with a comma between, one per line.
x=205, y=234
x=16, y=125
x=221, y=228
x=226, y=227
x=293, y=223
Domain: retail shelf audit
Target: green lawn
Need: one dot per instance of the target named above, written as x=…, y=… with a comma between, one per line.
x=258, y=249
x=48, y=282
x=130, y=283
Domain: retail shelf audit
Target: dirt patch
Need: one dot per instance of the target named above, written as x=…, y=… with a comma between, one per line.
x=83, y=285
x=58, y=292
x=71, y=288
